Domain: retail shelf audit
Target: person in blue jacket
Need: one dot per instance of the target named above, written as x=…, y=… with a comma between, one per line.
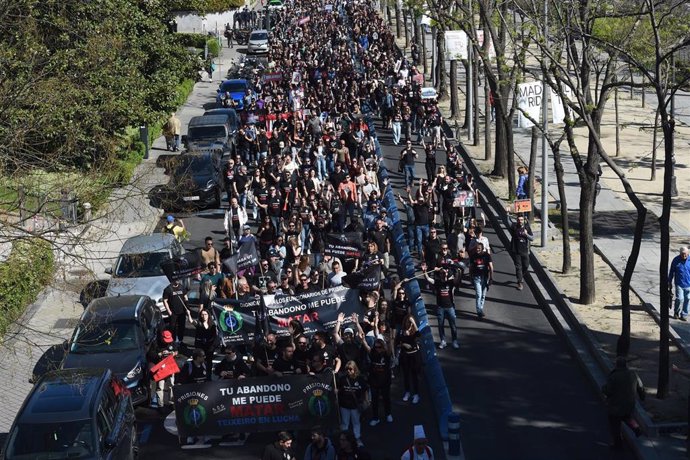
x=680, y=272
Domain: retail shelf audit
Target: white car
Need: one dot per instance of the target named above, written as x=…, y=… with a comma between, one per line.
x=258, y=42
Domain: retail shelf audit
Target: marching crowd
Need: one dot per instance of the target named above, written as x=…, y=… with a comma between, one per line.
x=305, y=165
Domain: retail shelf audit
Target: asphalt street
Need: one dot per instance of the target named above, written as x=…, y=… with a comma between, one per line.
x=520, y=393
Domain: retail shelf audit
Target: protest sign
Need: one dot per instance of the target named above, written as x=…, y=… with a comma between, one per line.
x=246, y=257
x=304, y=20
x=237, y=324
x=371, y=278
x=348, y=245
x=456, y=45
x=182, y=267
x=464, y=199
x=520, y=206
x=529, y=102
x=272, y=76
x=292, y=402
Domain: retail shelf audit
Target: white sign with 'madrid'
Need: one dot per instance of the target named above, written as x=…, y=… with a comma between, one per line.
x=529, y=102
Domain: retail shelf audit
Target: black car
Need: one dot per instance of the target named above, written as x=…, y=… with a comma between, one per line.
x=211, y=132
x=117, y=332
x=75, y=413
x=196, y=182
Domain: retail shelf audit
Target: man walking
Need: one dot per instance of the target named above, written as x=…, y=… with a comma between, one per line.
x=443, y=284
x=481, y=271
x=620, y=389
x=680, y=272
x=407, y=157
x=521, y=238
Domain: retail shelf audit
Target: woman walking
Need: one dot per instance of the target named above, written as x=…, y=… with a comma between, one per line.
x=205, y=336
x=410, y=358
x=352, y=394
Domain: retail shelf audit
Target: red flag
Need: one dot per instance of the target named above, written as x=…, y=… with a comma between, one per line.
x=165, y=368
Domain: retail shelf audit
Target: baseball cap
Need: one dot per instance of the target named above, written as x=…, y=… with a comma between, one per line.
x=247, y=227
x=170, y=219
x=348, y=330
x=167, y=337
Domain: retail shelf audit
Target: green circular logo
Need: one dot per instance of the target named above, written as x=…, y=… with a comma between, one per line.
x=194, y=413
x=230, y=322
x=319, y=405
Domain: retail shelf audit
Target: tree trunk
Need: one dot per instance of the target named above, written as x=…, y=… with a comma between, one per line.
x=475, y=98
x=398, y=30
x=501, y=154
x=664, y=294
x=407, y=31
x=422, y=30
x=468, y=102
x=654, y=136
x=565, y=223
x=587, y=277
x=389, y=15
x=510, y=154
x=533, y=147
x=618, y=127
x=441, y=65
x=454, y=104
x=487, y=122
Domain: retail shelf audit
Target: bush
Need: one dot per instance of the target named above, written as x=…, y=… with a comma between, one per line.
x=191, y=40
x=28, y=269
x=213, y=47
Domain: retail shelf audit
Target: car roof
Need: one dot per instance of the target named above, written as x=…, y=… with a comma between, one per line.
x=141, y=244
x=115, y=308
x=208, y=120
x=256, y=31
x=224, y=111
x=64, y=395
x=236, y=80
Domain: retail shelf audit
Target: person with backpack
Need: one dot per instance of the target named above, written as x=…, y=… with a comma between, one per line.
x=420, y=449
x=175, y=227
x=195, y=371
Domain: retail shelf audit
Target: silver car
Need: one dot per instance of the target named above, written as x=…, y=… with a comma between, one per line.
x=258, y=41
x=137, y=270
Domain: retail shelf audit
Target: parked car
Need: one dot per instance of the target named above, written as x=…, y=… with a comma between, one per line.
x=258, y=42
x=137, y=270
x=117, y=333
x=230, y=114
x=211, y=133
x=75, y=414
x=233, y=89
x=196, y=182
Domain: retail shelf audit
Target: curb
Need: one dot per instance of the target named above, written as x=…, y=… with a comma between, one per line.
x=563, y=317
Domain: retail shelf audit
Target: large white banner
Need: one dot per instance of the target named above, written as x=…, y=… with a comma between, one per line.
x=529, y=102
x=557, y=110
x=456, y=45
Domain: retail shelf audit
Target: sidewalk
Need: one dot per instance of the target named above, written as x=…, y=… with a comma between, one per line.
x=52, y=318
x=615, y=217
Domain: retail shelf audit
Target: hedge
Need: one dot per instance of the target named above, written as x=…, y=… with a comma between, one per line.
x=27, y=270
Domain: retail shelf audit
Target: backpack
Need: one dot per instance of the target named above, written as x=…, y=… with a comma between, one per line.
x=410, y=451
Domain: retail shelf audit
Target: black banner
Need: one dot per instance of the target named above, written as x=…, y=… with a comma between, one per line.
x=189, y=264
x=245, y=258
x=317, y=311
x=237, y=323
x=348, y=245
x=294, y=402
x=371, y=278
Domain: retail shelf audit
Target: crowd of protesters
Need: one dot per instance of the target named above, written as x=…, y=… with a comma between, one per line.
x=305, y=165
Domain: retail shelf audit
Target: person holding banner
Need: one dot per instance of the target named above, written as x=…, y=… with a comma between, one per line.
x=205, y=336
x=232, y=366
x=352, y=397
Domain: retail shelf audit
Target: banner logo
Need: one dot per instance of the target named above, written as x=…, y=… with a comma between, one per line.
x=319, y=405
x=194, y=413
x=230, y=321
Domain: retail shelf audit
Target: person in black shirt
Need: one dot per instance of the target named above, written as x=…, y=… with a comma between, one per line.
x=286, y=364
x=520, y=246
x=350, y=347
x=325, y=351
x=265, y=354
x=481, y=271
x=281, y=449
x=274, y=208
x=205, y=337
x=175, y=303
x=380, y=380
x=352, y=391
x=261, y=196
x=163, y=347
x=302, y=354
x=432, y=248
x=195, y=371
x=232, y=366
x=422, y=219
x=407, y=157
x=430, y=162
x=381, y=235
x=443, y=284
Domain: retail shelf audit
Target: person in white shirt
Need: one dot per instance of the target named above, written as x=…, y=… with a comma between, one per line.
x=479, y=238
x=420, y=450
x=335, y=278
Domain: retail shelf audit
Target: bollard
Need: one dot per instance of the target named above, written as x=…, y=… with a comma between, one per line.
x=453, y=436
x=87, y=212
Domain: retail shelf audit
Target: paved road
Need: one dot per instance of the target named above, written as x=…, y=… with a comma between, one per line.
x=519, y=392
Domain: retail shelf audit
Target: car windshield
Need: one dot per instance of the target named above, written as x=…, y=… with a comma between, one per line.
x=233, y=86
x=140, y=265
x=206, y=132
x=259, y=36
x=112, y=337
x=232, y=117
x=51, y=441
